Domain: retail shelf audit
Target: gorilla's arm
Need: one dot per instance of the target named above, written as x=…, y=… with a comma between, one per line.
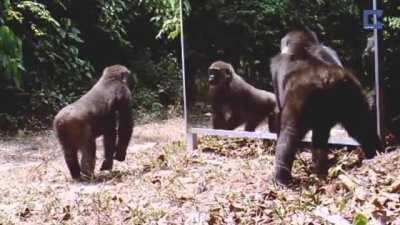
x=218, y=117
x=125, y=125
x=281, y=66
x=109, y=139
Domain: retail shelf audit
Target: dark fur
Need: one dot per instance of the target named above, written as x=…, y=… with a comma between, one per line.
x=325, y=54
x=235, y=102
x=300, y=47
x=104, y=110
x=321, y=51
x=316, y=95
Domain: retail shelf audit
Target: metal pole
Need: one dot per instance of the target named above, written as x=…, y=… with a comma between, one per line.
x=183, y=67
x=377, y=77
x=191, y=138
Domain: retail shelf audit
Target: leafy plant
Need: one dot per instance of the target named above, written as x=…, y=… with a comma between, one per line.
x=168, y=16
x=360, y=219
x=111, y=16
x=11, y=56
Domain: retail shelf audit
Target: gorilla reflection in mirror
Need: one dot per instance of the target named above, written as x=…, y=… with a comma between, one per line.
x=235, y=102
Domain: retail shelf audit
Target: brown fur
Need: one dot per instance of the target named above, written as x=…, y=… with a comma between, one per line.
x=235, y=102
x=315, y=95
x=104, y=110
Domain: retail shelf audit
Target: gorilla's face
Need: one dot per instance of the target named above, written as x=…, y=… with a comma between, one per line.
x=215, y=76
x=219, y=73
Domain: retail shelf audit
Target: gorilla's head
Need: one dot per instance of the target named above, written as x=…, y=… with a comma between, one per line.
x=220, y=73
x=298, y=41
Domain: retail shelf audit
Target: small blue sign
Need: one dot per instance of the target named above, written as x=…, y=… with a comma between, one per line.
x=367, y=14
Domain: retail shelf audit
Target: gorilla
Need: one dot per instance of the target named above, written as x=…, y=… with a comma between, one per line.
x=321, y=51
x=235, y=102
x=308, y=45
x=315, y=94
x=106, y=109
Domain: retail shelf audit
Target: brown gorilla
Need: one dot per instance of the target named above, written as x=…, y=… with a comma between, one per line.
x=318, y=50
x=235, y=102
x=298, y=48
x=104, y=110
x=315, y=95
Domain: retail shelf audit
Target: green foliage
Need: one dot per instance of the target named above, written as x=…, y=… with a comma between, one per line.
x=10, y=51
x=111, y=20
x=65, y=46
x=166, y=78
x=10, y=56
x=167, y=16
x=393, y=22
x=247, y=33
x=38, y=11
x=390, y=50
x=360, y=219
x=51, y=49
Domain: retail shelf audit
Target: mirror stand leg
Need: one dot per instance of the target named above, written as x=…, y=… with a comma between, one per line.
x=191, y=140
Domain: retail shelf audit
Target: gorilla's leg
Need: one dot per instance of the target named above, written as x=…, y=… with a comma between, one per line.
x=273, y=123
x=319, y=149
x=70, y=149
x=218, y=119
x=88, y=160
x=291, y=132
x=71, y=158
x=109, y=142
x=252, y=124
x=233, y=121
x=359, y=122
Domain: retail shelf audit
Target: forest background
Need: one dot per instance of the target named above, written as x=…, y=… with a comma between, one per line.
x=51, y=52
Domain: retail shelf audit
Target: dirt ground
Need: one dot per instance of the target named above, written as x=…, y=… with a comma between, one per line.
x=225, y=181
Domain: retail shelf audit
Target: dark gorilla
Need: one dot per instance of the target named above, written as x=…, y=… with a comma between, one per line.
x=104, y=110
x=316, y=95
x=325, y=54
x=307, y=46
x=235, y=102
x=321, y=51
